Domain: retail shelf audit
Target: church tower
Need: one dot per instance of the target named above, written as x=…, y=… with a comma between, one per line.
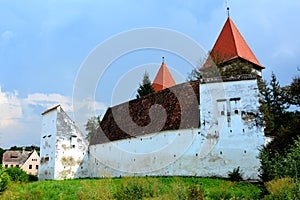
x=231, y=46
x=163, y=78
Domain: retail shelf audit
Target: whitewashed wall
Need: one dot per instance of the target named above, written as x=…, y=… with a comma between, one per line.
x=47, y=146
x=226, y=140
x=66, y=149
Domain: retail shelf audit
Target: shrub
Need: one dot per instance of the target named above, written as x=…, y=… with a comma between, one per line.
x=134, y=188
x=4, y=180
x=236, y=174
x=17, y=175
x=284, y=188
x=195, y=193
x=276, y=165
x=32, y=178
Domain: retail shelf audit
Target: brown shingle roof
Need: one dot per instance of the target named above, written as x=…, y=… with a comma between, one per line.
x=180, y=103
x=15, y=157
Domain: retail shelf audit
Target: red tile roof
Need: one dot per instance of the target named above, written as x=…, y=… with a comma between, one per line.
x=163, y=78
x=231, y=45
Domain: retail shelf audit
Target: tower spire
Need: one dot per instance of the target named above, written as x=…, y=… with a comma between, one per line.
x=227, y=8
x=228, y=15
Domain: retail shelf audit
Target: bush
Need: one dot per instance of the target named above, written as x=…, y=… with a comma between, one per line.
x=195, y=193
x=235, y=175
x=284, y=188
x=134, y=188
x=17, y=175
x=4, y=180
x=32, y=178
x=275, y=165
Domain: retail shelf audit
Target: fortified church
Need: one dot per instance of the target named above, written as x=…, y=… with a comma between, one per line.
x=199, y=128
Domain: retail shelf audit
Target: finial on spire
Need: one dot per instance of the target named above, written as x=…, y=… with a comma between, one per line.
x=227, y=7
x=228, y=12
x=163, y=59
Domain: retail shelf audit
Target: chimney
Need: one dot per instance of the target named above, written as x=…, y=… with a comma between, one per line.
x=23, y=150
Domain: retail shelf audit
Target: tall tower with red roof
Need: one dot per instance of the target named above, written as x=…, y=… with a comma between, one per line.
x=231, y=46
x=163, y=78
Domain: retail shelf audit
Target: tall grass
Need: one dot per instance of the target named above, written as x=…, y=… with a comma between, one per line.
x=133, y=188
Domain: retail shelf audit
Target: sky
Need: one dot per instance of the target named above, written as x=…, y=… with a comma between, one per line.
x=45, y=44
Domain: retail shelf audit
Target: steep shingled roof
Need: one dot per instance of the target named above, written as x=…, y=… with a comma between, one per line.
x=231, y=45
x=16, y=157
x=179, y=102
x=163, y=78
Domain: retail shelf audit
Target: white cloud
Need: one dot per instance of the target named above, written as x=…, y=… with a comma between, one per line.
x=20, y=118
x=10, y=107
x=49, y=100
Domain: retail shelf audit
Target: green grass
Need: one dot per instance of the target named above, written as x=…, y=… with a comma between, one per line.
x=134, y=188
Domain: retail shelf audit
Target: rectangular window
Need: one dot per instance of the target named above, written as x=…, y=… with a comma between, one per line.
x=30, y=166
x=36, y=167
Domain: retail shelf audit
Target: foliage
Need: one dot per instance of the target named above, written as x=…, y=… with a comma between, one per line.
x=284, y=188
x=280, y=163
x=148, y=187
x=1, y=154
x=4, y=180
x=16, y=174
x=27, y=148
x=92, y=126
x=146, y=87
x=274, y=104
x=293, y=90
x=236, y=174
x=134, y=188
x=216, y=68
x=195, y=191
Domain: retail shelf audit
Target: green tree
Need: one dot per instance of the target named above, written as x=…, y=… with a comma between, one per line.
x=1, y=154
x=278, y=104
x=293, y=91
x=146, y=87
x=4, y=180
x=16, y=174
x=216, y=69
x=273, y=105
x=92, y=126
x=276, y=160
x=266, y=119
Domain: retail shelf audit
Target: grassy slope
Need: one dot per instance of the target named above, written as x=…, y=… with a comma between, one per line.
x=148, y=187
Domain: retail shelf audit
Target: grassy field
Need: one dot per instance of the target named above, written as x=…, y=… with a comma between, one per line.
x=134, y=188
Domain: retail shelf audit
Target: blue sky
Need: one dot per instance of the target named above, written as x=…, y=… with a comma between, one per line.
x=44, y=43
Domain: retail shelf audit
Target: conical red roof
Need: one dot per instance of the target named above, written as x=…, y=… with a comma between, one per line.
x=231, y=45
x=163, y=78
